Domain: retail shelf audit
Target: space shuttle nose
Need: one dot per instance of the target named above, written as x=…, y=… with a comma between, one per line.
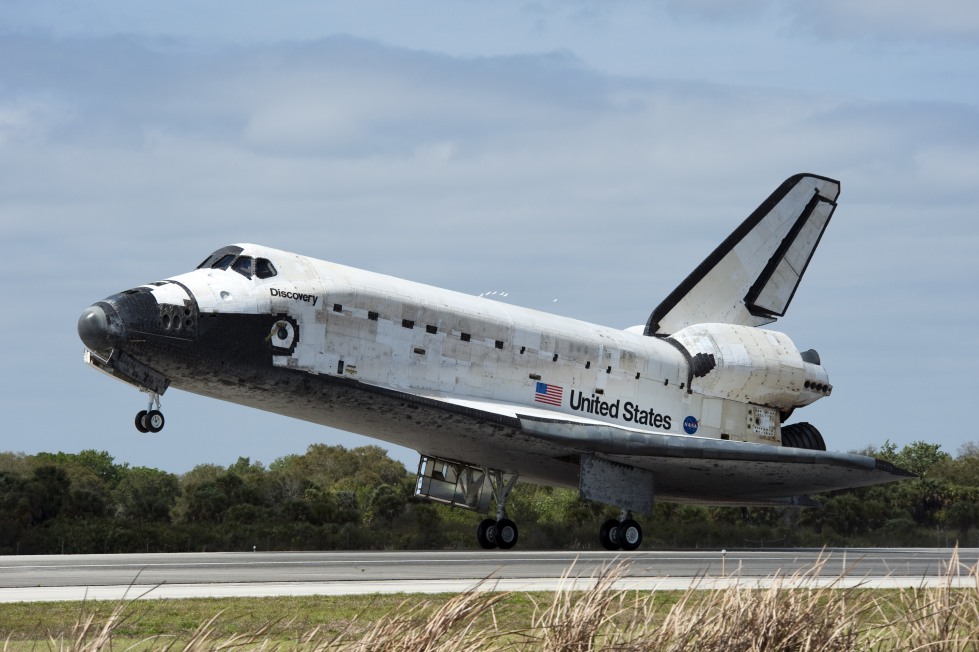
x=93, y=328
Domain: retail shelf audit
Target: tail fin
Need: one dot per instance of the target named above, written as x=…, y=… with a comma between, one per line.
x=751, y=277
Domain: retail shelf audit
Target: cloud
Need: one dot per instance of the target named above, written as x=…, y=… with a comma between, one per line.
x=892, y=20
x=715, y=11
x=882, y=20
x=345, y=129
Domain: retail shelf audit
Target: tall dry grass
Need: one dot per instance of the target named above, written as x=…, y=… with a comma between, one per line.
x=794, y=613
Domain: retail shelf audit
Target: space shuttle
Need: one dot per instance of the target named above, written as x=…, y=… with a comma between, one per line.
x=692, y=407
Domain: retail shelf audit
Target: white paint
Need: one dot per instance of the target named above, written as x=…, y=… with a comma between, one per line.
x=719, y=295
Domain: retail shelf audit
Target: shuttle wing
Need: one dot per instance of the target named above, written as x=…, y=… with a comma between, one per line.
x=751, y=277
x=715, y=471
x=686, y=468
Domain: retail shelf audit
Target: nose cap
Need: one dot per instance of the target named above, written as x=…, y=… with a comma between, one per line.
x=93, y=328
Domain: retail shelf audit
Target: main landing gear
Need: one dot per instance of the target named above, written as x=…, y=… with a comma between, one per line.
x=151, y=419
x=623, y=533
x=471, y=487
x=500, y=532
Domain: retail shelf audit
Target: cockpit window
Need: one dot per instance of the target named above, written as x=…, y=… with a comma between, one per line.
x=244, y=266
x=220, y=255
x=224, y=262
x=264, y=268
x=247, y=266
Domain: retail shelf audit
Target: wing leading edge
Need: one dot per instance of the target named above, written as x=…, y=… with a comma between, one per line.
x=751, y=277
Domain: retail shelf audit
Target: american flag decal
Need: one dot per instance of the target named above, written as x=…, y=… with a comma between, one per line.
x=550, y=394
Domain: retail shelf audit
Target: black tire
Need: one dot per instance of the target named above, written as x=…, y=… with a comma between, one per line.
x=802, y=435
x=155, y=421
x=486, y=534
x=506, y=533
x=141, y=422
x=629, y=534
x=608, y=534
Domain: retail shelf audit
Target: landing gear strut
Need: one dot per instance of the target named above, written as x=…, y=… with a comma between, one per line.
x=151, y=419
x=623, y=533
x=500, y=532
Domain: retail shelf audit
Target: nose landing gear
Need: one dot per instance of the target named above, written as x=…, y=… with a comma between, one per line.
x=150, y=419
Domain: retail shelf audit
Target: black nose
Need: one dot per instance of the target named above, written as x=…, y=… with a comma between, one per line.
x=93, y=328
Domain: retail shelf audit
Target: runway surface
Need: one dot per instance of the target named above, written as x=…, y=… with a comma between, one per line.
x=185, y=575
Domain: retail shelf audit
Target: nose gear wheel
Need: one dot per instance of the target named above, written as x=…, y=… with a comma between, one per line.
x=151, y=419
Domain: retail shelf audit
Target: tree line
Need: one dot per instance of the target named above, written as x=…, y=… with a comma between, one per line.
x=333, y=498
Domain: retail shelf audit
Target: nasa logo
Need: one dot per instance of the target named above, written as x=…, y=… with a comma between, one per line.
x=690, y=425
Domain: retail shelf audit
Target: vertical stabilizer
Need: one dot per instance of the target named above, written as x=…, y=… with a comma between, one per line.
x=751, y=277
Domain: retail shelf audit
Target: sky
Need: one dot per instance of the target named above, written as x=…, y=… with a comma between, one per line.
x=582, y=157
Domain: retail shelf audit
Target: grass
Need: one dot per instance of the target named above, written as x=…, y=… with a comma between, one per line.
x=810, y=618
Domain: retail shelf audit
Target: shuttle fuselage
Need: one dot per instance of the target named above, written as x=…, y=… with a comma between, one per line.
x=689, y=407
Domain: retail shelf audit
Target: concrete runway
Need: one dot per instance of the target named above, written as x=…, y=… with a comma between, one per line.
x=185, y=575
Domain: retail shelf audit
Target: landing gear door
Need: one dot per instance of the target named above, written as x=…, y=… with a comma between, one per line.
x=454, y=483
